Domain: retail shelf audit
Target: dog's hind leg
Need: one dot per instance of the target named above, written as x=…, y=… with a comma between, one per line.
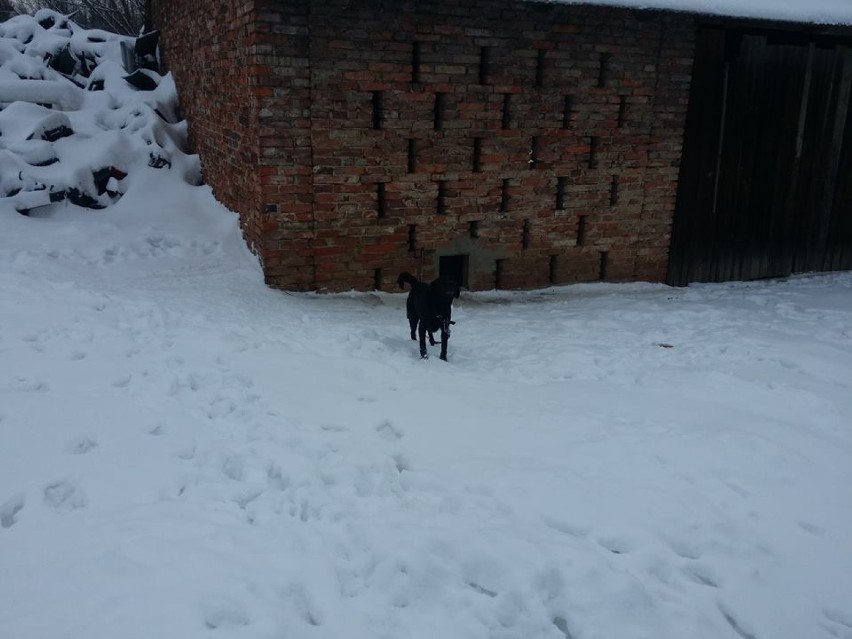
x=422, y=331
x=432, y=341
x=412, y=322
x=444, y=339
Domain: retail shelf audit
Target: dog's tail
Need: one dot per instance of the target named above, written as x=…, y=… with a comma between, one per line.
x=406, y=277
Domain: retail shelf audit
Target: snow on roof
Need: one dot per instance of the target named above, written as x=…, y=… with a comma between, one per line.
x=813, y=11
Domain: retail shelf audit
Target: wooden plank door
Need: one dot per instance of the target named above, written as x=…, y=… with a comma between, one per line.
x=765, y=178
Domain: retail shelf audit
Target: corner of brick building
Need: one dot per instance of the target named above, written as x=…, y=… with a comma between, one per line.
x=227, y=58
x=343, y=177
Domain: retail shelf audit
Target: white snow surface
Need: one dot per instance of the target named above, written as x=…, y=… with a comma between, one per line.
x=815, y=11
x=185, y=453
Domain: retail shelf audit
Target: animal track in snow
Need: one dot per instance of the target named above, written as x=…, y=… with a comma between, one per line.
x=574, y=530
x=701, y=575
x=617, y=545
x=813, y=529
x=735, y=624
x=562, y=625
x=25, y=385
x=9, y=510
x=64, y=496
x=389, y=432
x=122, y=382
x=81, y=445
x=481, y=589
x=836, y=618
x=684, y=549
x=223, y=612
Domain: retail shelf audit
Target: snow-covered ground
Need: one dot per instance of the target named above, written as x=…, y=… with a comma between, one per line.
x=185, y=453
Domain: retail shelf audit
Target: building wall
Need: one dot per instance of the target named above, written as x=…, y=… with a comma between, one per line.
x=205, y=45
x=540, y=140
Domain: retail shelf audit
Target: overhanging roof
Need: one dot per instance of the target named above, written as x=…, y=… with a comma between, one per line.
x=806, y=11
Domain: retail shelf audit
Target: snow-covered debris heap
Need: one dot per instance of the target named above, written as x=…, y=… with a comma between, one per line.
x=81, y=111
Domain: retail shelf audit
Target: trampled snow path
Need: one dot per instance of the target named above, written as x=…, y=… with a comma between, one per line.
x=185, y=453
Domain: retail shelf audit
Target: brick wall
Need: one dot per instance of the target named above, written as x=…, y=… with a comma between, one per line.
x=206, y=45
x=541, y=141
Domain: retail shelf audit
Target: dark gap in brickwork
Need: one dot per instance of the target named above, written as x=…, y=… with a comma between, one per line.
x=455, y=267
x=561, y=183
x=603, y=69
x=507, y=111
x=498, y=273
x=551, y=276
x=593, y=152
x=525, y=235
x=622, y=111
x=474, y=230
x=412, y=238
x=581, y=230
x=484, y=63
x=415, y=63
x=477, y=155
x=412, y=155
x=567, y=111
x=539, y=68
x=378, y=116
x=377, y=279
x=603, y=265
x=381, y=204
x=441, y=201
x=504, y=196
x=440, y=106
x=613, y=191
x=533, y=161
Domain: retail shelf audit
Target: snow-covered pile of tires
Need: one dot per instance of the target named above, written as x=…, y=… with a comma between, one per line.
x=80, y=111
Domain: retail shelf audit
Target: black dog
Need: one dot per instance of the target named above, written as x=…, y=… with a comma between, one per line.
x=430, y=306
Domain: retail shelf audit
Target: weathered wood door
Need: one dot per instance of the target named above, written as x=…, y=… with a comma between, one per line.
x=766, y=177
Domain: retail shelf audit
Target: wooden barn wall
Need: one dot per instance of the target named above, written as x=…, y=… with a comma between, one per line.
x=766, y=180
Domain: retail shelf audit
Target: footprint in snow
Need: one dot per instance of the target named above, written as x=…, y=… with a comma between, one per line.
x=389, y=432
x=31, y=385
x=813, y=529
x=219, y=612
x=122, y=382
x=81, y=445
x=736, y=624
x=577, y=531
x=838, y=618
x=684, y=549
x=9, y=509
x=64, y=496
x=701, y=575
x=616, y=544
x=562, y=625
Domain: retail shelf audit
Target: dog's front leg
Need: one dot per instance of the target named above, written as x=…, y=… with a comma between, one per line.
x=422, y=330
x=444, y=339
